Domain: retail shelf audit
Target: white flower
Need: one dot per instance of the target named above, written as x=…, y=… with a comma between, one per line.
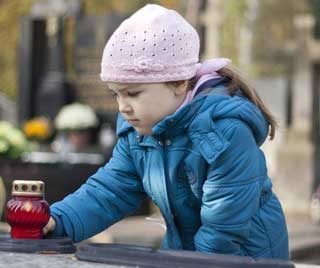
x=143, y=64
x=76, y=116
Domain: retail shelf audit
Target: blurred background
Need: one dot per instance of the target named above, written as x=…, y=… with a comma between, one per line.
x=57, y=120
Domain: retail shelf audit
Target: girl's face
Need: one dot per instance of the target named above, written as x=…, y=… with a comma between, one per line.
x=144, y=105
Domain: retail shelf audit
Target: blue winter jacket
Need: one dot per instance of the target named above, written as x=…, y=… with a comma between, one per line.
x=202, y=167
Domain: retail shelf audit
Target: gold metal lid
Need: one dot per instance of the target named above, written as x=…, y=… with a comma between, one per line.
x=30, y=188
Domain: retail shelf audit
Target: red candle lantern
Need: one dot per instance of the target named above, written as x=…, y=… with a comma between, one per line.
x=27, y=212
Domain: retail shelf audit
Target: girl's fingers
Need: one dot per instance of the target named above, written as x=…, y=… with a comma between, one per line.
x=51, y=225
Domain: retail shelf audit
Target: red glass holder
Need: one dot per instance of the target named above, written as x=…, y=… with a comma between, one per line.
x=27, y=212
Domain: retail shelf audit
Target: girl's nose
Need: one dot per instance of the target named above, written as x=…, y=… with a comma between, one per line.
x=124, y=107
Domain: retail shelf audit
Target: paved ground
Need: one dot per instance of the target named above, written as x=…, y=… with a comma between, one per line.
x=304, y=239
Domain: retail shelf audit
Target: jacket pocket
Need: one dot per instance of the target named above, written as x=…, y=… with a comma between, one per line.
x=192, y=172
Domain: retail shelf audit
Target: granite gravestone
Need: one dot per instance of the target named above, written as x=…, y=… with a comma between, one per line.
x=92, y=33
x=31, y=62
x=54, y=91
x=43, y=87
x=316, y=95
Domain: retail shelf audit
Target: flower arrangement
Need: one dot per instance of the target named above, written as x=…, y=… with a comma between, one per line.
x=76, y=116
x=38, y=129
x=76, y=124
x=12, y=141
x=143, y=64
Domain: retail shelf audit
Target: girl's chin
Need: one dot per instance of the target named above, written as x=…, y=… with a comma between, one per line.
x=143, y=131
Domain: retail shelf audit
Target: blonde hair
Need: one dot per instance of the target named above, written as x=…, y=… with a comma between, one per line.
x=236, y=83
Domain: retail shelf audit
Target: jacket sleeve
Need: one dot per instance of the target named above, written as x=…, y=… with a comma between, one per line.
x=109, y=195
x=231, y=192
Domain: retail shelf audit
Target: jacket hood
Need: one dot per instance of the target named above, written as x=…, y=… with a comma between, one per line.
x=240, y=108
x=215, y=101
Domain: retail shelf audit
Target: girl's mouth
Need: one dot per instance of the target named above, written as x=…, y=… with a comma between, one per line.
x=132, y=121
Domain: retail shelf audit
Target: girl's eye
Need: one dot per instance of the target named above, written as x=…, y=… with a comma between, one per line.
x=133, y=94
x=114, y=94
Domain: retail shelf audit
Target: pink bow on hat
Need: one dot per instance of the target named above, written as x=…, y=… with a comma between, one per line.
x=212, y=66
x=206, y=71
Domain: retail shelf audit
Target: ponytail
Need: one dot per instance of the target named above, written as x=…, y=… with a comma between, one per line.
x=237, y=82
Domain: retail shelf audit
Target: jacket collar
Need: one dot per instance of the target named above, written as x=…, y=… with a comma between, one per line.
x=122, y=125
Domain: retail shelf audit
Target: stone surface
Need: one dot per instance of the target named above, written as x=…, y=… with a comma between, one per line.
x=18, y=260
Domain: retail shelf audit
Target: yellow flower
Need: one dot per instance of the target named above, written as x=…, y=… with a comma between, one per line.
x=37, y=128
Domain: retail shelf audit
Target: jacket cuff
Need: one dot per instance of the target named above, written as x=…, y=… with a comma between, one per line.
x=59, y=230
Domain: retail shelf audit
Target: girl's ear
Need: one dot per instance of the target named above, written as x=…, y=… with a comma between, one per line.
x=181, y=88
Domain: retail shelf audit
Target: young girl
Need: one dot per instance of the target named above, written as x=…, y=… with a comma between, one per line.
x=188, y=137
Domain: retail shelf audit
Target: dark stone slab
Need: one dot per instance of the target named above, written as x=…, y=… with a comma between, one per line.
x=138, y=256
x=61, y=245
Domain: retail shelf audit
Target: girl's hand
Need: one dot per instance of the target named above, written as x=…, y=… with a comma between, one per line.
x=51, y=225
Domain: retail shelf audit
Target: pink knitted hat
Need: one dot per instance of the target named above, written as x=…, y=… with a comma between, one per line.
x=155, y=44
